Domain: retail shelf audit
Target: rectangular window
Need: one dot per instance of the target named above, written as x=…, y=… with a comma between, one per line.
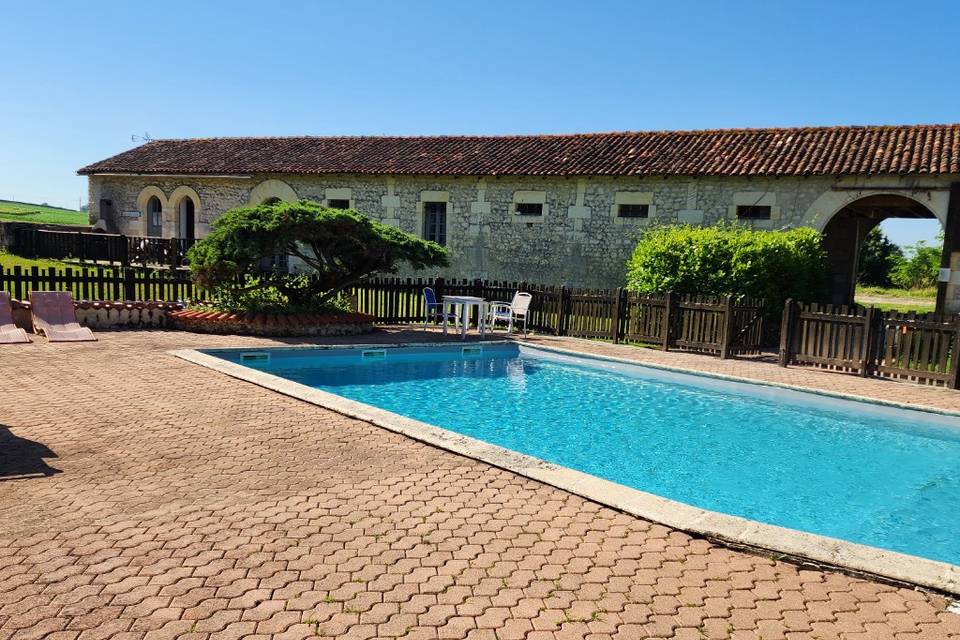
x=278, y=262
x=633, y=210
x=529, y=209
x=338, y=204
x=753, y=212
x=435, y=222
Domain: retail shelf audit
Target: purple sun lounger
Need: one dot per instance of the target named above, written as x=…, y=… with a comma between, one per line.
x=55, y=317
x=9, y=332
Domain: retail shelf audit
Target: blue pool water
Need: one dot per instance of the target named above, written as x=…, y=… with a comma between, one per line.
x=875, y=475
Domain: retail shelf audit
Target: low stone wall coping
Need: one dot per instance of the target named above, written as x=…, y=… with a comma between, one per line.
x=111, y=304
x=272, y=324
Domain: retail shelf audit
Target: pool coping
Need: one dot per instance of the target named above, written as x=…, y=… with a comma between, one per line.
x=763, y=383
x=732, y=530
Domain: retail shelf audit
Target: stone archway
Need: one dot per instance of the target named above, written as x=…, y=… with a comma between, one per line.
x=272, y=190
x=845, y=231
x=185, y=203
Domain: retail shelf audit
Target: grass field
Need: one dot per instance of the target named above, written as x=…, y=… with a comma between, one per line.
x=9, y=261
x=920, y=300
x=26, y=212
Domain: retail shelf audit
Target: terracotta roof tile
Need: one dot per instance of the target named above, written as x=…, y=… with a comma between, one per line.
x=907, y=149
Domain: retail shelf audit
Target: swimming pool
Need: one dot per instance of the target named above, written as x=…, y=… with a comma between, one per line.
x=870, y=474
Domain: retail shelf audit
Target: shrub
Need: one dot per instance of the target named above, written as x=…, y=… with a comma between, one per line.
x=878, y=258
x=340, y=247
x=270, y=300
x=920, y=269
x=730, y=259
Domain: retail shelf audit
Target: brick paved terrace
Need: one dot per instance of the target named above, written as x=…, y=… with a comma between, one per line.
x=142, y=496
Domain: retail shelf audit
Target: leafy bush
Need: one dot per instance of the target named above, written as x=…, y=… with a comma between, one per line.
x=878, y=258
x=920, y=269
x=270, y=300
x=340, y=247
x=730, y=259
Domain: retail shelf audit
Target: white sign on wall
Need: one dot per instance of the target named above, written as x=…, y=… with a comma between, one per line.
x=131, y=214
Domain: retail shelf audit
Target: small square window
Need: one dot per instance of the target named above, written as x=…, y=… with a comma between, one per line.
x=529, y=208
x=338, y=204
x=753, y=212
x=633, y=210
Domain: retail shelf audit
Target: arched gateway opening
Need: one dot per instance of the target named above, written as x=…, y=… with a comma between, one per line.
x=844, y=234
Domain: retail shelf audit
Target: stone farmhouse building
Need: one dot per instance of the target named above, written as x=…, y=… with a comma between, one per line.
x=558, y=209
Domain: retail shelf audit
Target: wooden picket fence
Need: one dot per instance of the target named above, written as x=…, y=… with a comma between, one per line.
x=101, y=247
x=921, y=348
x=724, y=326
x=104, y=283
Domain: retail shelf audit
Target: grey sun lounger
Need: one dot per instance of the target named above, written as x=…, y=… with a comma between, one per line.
x=9, y=332
x=55, y=317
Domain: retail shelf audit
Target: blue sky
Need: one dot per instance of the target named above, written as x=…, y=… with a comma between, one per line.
x=81, y=77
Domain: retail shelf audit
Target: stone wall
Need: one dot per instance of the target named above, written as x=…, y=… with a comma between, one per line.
x=579, y=240
x=107, y=315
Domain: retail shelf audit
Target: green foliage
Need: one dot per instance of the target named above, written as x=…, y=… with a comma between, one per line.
x=341, y=247
x=269, y=300
x=878, y=258
x=730, y=259
x=919, y=269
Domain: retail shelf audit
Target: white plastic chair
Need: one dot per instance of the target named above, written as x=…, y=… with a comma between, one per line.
x=510, y=312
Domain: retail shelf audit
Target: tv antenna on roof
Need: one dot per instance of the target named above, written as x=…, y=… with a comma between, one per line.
x=144, y=138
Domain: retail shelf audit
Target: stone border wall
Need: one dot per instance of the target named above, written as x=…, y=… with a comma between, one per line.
x=258, y=324
x=108, y=315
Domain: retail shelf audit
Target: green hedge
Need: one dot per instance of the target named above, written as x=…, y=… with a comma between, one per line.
x=731, y=259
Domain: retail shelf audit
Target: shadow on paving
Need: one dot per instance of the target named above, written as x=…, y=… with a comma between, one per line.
x=21, y=458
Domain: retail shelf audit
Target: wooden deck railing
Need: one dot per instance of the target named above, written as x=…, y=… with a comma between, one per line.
x=101, y=247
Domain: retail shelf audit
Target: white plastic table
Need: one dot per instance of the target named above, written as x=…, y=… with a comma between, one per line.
x=465, y=303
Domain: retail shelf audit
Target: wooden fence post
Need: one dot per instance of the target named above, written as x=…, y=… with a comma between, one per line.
x=954, y=381
x=868, y=346
x=728, y=324
x=129, y=285
x=617, y=315
x=669, y=311
x=786, y=333
x=18, y=278
x=564, y=313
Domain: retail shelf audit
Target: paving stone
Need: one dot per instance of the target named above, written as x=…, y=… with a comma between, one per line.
x=176, y=501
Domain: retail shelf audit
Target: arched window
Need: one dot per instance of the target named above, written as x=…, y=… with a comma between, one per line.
x=154, y=217
x=186, y=218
